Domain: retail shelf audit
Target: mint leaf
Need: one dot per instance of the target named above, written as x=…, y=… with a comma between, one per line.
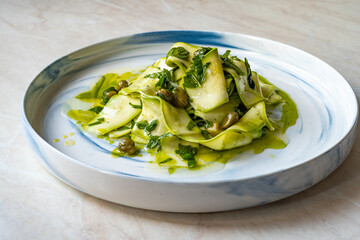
x=98, y=121
x=142, y=124
x=191, y=125
x=205, y=134
x=187, y=153
x=228, y=62
x=203, y=51
x=151, y=126
x=196, y=75
x=155, y=141
x=136, y=106
x=104, y=98
x=248, y=69
x=178, y=52
x=165, y=161
x=165, y=79
x=96, y=109
x=225, y=55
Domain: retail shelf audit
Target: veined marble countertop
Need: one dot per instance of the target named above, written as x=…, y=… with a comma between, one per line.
x=35, y=205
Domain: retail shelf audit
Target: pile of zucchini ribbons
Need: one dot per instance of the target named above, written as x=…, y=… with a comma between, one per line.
x=215, y=85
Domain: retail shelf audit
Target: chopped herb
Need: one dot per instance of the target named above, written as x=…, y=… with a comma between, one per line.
x=98, y=121
x=196, y=75
x=227, y=75
x=203, y=51
x=132, y=123
x=96, y=109
x=104, y=98
x=123, y=128
x=248, y=69
x=205, y=134
x=204, y=123
x=239, y=112
x=165, y=78
x=191, y=125
x=228, y=62
x=142, y=124
x=165, y=161
x=225, y=55
x=178, y=52
x=151, y=126
x=187, y=153
x=155, y=141
x=136, y=106
x=231, y=88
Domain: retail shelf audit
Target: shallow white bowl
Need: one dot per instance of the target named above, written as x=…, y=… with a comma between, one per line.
x=319, y=142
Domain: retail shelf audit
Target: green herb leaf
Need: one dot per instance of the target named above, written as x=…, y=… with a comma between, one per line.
x=165, y=161
x=104, y=98
x=191, y=125
x=165, y=79
x=132, y=124
x=96, y=109
x=204, y=123
x=187, y=153
x=248, y=69
x=178, y=52
x=228, y=62
x=151, y=126
x=203, y=51
x=98, y=121
x=123, y=128
x=196, y=75
x=225, y=55
x=155, y=141
x=142, y=124
x=205, y=134
x=136, y=106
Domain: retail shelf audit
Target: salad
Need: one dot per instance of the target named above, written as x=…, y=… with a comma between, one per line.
x=188, y=109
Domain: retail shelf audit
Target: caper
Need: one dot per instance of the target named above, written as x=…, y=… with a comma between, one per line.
x=230, y=119
x=214, y=129
x=122, y=84
x=126, y=145
x=180, y=98
x=164, y=94
x=111, y=93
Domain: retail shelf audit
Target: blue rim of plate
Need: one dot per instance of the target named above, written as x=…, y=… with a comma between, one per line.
x=172, y=36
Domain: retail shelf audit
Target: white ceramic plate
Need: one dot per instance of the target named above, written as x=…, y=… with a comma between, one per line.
x=319, y=142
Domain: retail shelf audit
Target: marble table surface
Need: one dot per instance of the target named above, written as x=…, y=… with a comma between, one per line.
x=35, y=205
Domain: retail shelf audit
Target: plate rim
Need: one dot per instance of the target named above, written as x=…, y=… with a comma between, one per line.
x=192, y=181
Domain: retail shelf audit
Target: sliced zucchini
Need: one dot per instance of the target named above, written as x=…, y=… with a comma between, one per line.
x=218, y=114
x=150, y=111
x=178, y=121
x=161, y=64
x=116, y=113
x=260, y=107
x=183, y=64
x=142, y=84
x=119, y=133
x=213, y=91
x=105, y=82
x=240, y=134
x=167, y=155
